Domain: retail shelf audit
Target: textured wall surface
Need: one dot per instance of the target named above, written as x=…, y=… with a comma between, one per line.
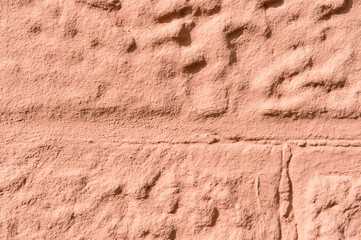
x=180, y=119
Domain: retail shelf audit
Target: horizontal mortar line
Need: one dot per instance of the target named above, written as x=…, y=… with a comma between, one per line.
x=298, y=143
x=212, y=140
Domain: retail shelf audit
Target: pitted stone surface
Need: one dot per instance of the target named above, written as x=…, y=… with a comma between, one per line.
x=184, y=119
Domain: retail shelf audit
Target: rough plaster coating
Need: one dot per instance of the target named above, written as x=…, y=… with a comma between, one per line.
x=180, y=119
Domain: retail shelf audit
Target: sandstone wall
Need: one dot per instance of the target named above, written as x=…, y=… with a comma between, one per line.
x=180, y=119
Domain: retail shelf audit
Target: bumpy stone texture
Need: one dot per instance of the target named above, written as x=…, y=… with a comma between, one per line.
x=180, y=119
